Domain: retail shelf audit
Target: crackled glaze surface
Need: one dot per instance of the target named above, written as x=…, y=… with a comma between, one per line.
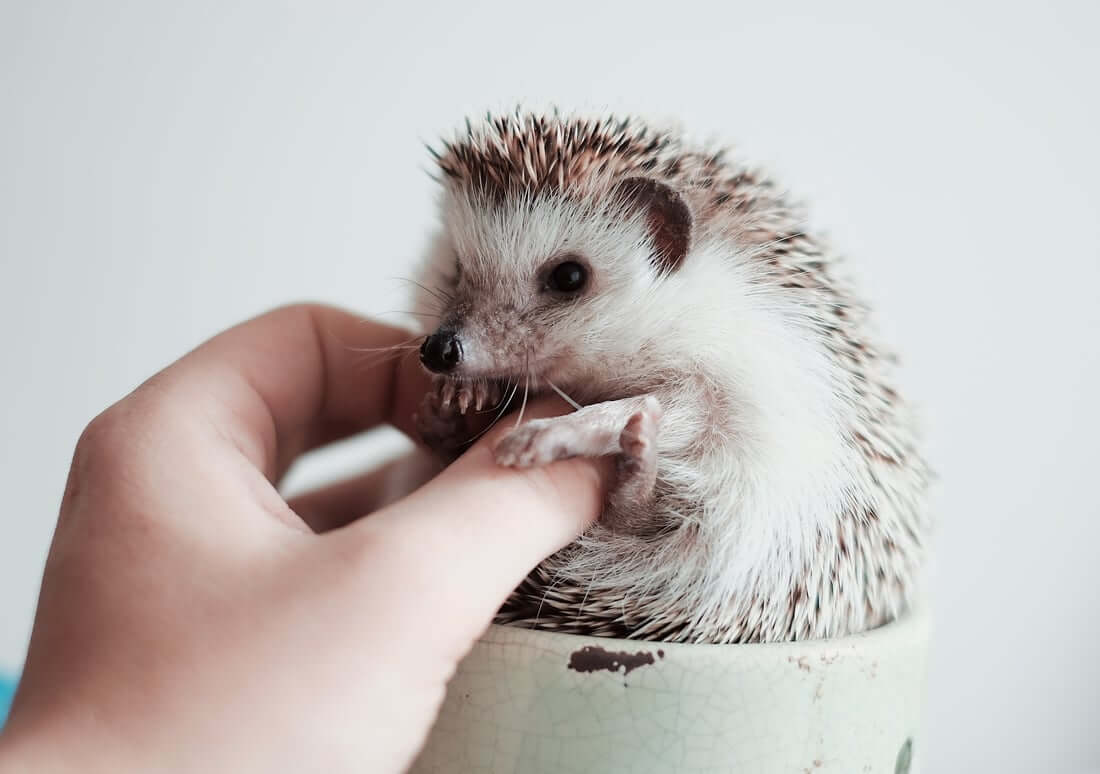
x=529, y=702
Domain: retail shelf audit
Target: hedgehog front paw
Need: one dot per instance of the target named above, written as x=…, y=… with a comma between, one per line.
x=439, y=425
x=539, y=442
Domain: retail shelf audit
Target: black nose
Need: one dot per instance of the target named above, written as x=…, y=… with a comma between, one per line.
x=441, y=351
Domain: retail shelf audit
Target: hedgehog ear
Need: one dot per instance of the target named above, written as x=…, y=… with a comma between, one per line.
x=667, y=216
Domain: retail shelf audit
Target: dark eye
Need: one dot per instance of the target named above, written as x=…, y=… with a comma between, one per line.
x=567, y=277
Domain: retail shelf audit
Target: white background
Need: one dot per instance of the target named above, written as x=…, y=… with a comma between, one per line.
x=167, y=169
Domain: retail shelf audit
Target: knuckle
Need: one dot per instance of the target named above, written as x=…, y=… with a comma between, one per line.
x=117, y=442
x=103, y=457
x=105, y=439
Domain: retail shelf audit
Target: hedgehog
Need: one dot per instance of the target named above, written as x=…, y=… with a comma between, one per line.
x=768, y=481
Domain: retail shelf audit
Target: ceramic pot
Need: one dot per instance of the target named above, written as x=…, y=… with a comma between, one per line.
x=529, y=702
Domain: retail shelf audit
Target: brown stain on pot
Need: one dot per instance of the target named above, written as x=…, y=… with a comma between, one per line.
x=593, y=658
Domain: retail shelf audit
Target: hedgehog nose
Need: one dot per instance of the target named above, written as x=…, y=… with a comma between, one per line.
x=441, y=351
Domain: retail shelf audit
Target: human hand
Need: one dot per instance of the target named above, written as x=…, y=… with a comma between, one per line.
x=191, y=619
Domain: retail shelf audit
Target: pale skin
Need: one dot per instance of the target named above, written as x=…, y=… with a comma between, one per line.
x=191, y=619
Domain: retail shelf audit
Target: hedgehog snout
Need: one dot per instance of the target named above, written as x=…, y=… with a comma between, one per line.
x=441, y=351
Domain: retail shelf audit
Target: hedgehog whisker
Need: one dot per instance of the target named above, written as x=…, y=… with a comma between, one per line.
x=564, y=397
x=500, y=414
x=406, y=344
x=442, y=296
x=526, y=389
x=384, y=354
x=390, y=353
x=393, y=354
x=496, y=405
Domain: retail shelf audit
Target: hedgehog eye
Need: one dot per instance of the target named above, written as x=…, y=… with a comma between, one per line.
x=567, y=277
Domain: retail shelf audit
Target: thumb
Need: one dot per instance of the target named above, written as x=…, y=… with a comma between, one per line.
x=468, y=537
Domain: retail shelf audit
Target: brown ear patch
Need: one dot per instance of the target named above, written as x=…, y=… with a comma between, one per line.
x=668, y=217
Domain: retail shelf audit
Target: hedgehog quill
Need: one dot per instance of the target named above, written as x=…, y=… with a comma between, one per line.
x=769, y=481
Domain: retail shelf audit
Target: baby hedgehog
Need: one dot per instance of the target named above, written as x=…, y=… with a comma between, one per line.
x=769, y=486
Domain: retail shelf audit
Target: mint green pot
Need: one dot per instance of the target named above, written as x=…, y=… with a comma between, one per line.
x=528, y=702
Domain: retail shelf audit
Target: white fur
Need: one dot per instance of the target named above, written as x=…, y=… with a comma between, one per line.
x=754, y=446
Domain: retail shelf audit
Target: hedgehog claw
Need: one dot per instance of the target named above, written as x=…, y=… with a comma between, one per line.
x=495, y=394
x=447, y=394
x=537, y=442
x=465, y=395
x=488, y=394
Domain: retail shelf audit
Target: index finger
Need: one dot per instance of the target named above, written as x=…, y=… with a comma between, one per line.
x=298, y=377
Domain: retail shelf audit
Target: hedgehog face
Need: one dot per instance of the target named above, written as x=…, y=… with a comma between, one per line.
x=538, y=283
